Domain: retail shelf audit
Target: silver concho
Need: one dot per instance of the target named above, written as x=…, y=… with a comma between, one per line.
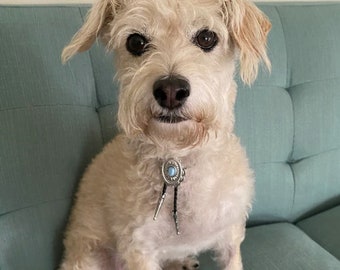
x=172, y=172
x=173, y=175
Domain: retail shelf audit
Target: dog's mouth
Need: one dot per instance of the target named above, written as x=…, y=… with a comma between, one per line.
x=170, y=118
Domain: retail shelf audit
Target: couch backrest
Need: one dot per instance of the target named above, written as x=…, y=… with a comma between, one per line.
x=54, y=119
x=49, y=130
x=290, y=121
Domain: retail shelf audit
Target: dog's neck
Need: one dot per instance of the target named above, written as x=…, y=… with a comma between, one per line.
x=143, y=148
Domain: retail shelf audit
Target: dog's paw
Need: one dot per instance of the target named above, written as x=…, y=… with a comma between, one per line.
x=189, y=263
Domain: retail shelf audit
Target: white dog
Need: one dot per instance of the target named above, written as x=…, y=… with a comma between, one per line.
x=176, y=181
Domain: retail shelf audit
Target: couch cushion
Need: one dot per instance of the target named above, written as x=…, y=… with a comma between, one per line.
x=31, y=237
x=284, y=246
x=324, y=228
x=312, y=36
x=313, y=43
x=317, y=185
x=280, y=246
x=289, y=122
x=265, y=124
x=49, y=131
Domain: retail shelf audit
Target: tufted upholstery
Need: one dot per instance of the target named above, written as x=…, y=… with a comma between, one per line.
x=295, y=111
x=54, y=119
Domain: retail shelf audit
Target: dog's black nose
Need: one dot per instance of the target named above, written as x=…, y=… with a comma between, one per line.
x=171, y=92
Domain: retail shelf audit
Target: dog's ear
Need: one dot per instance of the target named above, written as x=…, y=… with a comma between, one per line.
x=248, y=28
x=98, y=18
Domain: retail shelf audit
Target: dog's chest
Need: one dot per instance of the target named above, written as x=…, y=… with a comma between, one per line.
x=204, y=212
x=199, y=209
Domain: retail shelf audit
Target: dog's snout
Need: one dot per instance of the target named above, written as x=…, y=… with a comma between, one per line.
x=171, y=92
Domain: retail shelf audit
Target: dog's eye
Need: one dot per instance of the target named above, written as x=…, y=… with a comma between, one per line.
x=206, y=39
x=136, y=44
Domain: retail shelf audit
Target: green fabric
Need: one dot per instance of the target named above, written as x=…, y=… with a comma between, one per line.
x=317, y=183
x=313, y=43
x=264, y=121
x=324, y=228
x=274, y=193
x=312, y=37
x=45, y=146
x=49, y=131
x=31, y=237
x=31, y=43
x=284, y=247
x=281, y=246
x=296, y=112
x=317, y=121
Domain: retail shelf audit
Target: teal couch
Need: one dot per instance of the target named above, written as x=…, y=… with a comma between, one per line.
x=54, y=119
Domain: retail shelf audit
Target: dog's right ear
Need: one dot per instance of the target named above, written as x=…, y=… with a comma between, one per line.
x=98, y=18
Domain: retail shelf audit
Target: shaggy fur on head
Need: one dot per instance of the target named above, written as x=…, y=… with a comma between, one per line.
x=112, y=226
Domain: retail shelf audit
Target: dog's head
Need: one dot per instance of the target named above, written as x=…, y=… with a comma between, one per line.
x=175, y=62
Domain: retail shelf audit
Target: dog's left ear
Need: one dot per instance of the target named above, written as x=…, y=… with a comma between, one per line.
x=98, y=18
x=248, y=27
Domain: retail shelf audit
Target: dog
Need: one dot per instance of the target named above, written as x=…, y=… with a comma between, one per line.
x=176, y=181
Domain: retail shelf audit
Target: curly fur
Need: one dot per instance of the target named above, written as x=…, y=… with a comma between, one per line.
x=111, y=225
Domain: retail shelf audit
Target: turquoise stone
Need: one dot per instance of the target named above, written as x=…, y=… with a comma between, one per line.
x=172, y=171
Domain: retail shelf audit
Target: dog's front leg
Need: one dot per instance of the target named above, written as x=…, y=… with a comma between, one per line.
x=229, y=249
x=80, y=259
x=135, y=259
x=235, y=260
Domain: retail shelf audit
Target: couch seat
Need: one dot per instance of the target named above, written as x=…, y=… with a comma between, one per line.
x=324, y=228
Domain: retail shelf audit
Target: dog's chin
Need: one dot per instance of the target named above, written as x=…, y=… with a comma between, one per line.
x=176, y=130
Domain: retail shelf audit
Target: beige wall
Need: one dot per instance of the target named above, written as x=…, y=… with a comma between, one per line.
x=30, y=2
x=90, y=1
